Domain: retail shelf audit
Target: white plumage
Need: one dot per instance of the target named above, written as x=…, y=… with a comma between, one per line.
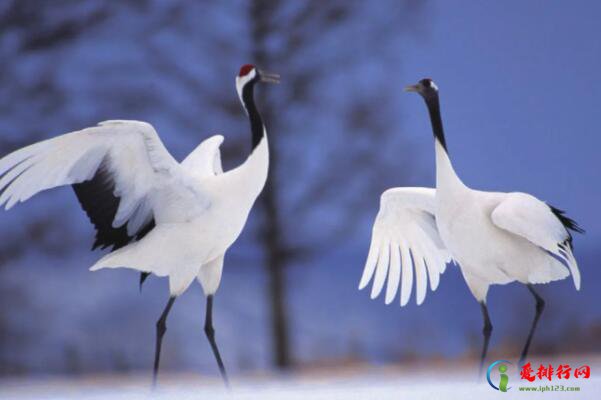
x=405, y=238
x=496, y=238
x=170, y=219
x=195, y=221
x=527, y=217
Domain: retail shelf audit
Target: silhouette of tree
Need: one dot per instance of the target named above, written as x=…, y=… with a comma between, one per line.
x=315, y=185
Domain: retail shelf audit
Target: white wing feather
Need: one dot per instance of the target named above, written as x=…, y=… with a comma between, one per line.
x=405, y=236
x=531, y=218
x=131, y=151
x=205, y=159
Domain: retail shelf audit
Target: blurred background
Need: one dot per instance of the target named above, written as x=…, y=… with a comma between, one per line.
x=520, y=99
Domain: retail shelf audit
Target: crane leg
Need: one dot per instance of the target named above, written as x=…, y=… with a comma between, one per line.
x=486, y=331
x=540, y=306
x=143, y=277
x=210, y=332
x=161, y=329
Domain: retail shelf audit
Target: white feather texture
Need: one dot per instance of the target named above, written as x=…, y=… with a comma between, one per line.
x=199, y=211
x=405, y=244
x=75, y=157
x=532, y=219
x=496, y=238
x=205, y=160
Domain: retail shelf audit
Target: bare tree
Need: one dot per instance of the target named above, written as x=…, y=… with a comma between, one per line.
x=313, y=43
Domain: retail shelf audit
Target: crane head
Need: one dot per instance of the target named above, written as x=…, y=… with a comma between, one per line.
x=250, y=74
x=426, y=87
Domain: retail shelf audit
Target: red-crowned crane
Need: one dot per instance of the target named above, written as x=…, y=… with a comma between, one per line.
x=158, y=216
x=496, y=238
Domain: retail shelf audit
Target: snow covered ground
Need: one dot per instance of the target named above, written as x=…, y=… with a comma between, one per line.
x=440, y=382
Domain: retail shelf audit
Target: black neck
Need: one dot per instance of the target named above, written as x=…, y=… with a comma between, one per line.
x=256, y=122
x=434, y=110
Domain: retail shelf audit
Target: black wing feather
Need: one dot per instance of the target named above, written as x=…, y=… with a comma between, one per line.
x=100, y=204
x=97, y=199
x=567, y=222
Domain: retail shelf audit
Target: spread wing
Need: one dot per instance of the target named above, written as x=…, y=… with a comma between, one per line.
x=113, y=167
x=545, y=226
x=205, y=159
x=405, y=243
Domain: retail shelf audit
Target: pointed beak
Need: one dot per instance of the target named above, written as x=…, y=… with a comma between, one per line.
x=412, y=88
x=269, y=77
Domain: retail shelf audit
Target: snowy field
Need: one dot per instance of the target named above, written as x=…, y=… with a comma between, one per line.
x=441, y=382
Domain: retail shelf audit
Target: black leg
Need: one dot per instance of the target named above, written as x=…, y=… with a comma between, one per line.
x=540, y=306
x=143, y=276
x=210, y=331
x=161, y=329
x=486, y=331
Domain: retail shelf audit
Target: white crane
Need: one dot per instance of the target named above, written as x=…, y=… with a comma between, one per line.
x=496, y=238
x=170, y=219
